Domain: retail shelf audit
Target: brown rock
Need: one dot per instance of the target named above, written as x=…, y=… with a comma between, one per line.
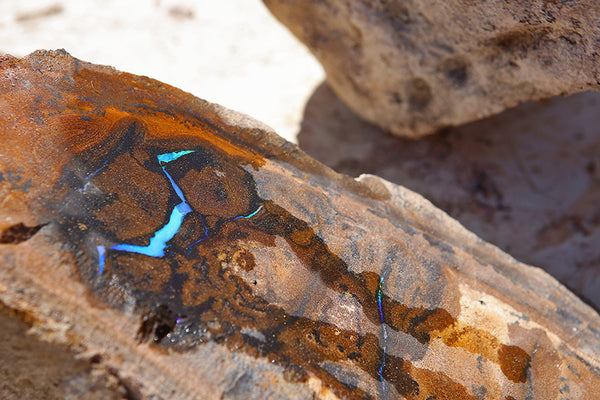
x=413, y=67
x=188, y=252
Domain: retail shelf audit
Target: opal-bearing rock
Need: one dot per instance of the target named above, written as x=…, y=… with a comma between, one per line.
x=204, y=257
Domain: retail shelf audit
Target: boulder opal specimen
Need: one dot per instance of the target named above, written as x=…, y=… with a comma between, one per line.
x=189, y=252
x=414, y=66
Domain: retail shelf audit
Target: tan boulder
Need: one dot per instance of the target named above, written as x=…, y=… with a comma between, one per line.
x=412, y=67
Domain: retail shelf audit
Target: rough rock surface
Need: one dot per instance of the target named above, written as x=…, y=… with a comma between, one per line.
x=37, y=369
x=527, y=180
x=188, y=252
x=413, y=66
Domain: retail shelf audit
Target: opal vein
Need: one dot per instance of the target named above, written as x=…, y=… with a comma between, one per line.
x=383, y=327
x=158, y=243
x=101, y=258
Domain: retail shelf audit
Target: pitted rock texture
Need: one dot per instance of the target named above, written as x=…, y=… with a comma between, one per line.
x=37, y=369
x=195, y=254
x=412, y=67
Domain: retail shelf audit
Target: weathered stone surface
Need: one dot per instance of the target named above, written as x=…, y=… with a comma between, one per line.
x=133, y=211
x=527, y=180
x=412, y=67
x=38, y=369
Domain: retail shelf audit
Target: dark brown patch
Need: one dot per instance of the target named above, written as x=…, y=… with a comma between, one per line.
x=419, y=94
x=456, y=69
x=245, y=259
x=157, y=324
x=514, y=363
x=485, y=191
x=18, y=233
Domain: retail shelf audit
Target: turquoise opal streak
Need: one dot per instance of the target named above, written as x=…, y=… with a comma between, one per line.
x=158, y=242
x=101, y=258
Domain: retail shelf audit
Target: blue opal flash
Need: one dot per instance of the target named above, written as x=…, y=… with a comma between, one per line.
x=101, y=258
x=168, y=157
x=252, y=214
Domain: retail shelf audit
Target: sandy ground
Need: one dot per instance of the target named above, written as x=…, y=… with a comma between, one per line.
x=229, y=52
